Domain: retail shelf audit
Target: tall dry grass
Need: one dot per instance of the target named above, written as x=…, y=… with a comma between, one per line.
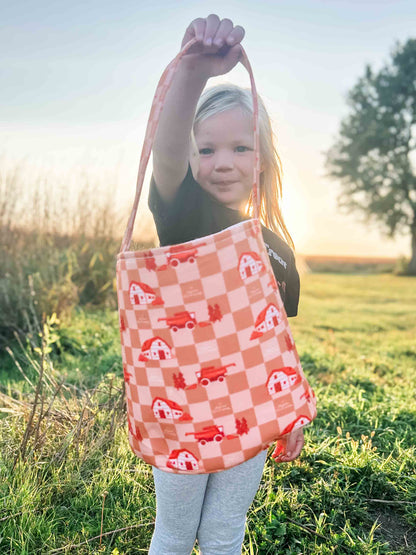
x=58, y=245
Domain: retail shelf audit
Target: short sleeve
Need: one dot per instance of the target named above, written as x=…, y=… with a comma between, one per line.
x=175, y=220
x=292, y=288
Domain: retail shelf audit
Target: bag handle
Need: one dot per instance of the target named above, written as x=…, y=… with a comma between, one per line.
x=157, y=105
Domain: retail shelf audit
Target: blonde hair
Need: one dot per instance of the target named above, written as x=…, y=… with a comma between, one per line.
x=227, y=96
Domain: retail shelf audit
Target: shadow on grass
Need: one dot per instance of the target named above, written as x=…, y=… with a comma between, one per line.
x=315, y=365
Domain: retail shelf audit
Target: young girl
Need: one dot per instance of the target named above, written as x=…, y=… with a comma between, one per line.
x=203, y=157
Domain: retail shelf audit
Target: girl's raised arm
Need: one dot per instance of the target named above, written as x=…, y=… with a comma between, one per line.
x=203, y=60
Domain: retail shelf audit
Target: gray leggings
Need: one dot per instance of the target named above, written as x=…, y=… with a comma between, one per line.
x=211, y=508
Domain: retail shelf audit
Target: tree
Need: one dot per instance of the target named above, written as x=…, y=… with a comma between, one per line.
x=179, y=381
x=374, y=156
x=214, y=313
x=241, y=426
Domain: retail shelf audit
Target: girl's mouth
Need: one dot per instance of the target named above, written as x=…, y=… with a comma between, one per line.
x=224, y=184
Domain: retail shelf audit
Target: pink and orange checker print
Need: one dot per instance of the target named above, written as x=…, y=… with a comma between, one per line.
x=211, y=369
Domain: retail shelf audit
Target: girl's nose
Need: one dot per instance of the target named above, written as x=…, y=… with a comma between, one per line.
x=223, y=160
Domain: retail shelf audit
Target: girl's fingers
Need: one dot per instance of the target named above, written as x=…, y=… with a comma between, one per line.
x=212, y=24
x=195, y=29
x=292, y=443
x=219, y=32
x=236, y=35
x=217, y=44
x=280, y=448
x=300, y=440
x=296, y=448
x=292, y=447
x=223, y=31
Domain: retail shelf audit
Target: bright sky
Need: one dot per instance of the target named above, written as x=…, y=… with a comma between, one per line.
x=78, y=80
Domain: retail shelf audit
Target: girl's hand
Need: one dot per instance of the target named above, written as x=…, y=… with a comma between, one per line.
x=222, y=54
x=288, y=447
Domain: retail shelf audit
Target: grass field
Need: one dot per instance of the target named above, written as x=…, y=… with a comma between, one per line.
x=70, y=484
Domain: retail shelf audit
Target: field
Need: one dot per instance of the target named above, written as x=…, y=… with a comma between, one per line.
x=70, y=484
x=350, y=264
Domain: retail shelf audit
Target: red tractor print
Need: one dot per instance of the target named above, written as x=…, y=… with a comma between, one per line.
x=212, y=374
x=209, y=433
x=180, y=320
x=178, y=254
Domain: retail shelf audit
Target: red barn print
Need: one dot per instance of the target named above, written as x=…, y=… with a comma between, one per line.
x=300, y=421
x=182, y=459
x=268, y=318
x=281, y=379
x=155, y=349
x=141, y=293
x=250, y=264
x=164, y=408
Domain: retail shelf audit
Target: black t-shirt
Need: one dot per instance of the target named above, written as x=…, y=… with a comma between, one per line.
x=194, y=213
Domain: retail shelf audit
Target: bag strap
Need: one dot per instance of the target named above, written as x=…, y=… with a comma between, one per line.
x=157, y=105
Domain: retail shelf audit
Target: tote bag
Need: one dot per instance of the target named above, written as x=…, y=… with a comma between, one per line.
x=211, y=371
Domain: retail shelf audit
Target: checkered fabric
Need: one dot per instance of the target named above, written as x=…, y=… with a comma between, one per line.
x=211, y=369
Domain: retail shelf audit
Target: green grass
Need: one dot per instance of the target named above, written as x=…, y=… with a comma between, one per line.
x=353, y=489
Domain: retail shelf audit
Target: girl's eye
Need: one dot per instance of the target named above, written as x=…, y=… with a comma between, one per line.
x=209, y=150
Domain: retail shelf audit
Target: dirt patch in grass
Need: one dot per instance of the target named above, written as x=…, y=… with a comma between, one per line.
x=398, y=533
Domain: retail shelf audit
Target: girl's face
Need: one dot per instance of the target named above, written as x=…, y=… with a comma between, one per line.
x=226, y=157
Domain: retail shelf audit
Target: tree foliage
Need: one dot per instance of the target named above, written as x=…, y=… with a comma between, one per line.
x=374, y=157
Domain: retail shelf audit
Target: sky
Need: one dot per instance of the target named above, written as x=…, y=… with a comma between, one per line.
x=78, y=80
